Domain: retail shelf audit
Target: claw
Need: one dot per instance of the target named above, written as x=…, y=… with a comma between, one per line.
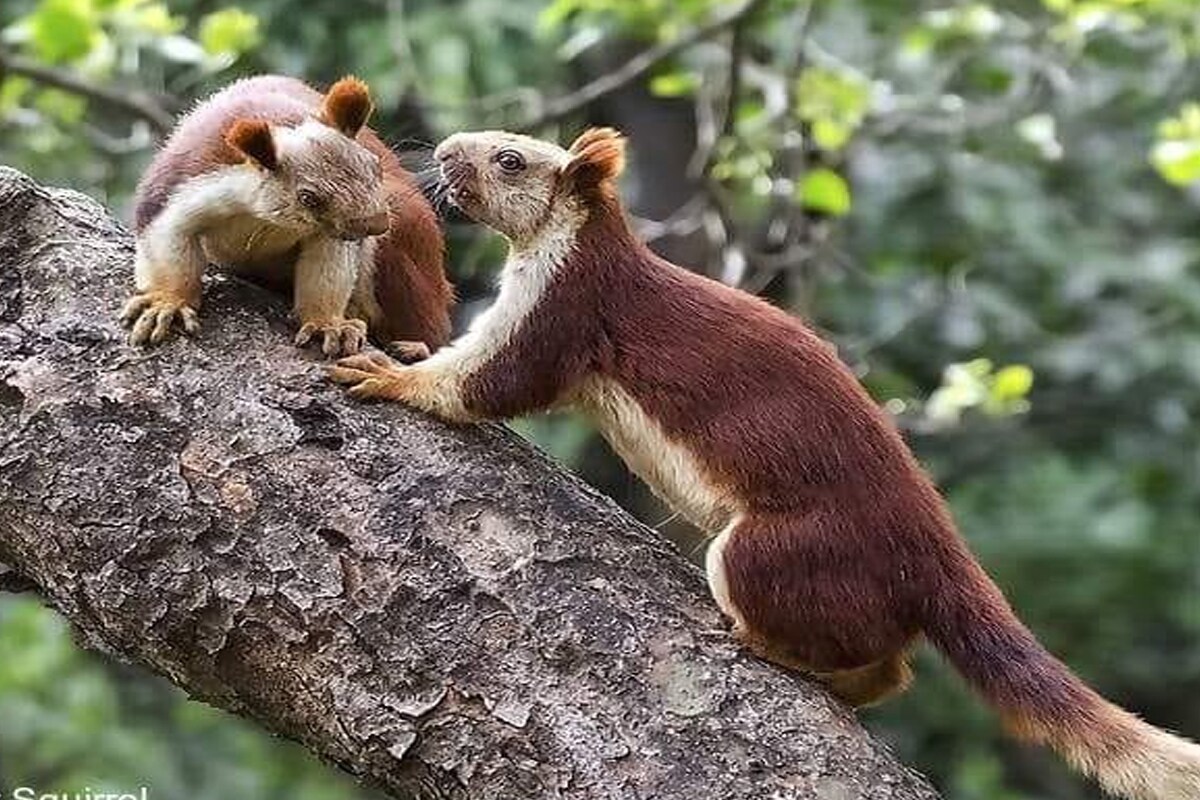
x=150, y=315
x=305, y=334
x=407, y=352
x=370, y=389
x=133, y=308
x=337, y=337
x=362, y=363
x=191, y=320
x=371, y=377
x=340, y=374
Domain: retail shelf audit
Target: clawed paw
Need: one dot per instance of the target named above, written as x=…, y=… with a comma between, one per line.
x=341, y=337
x=408, y=352
x=152, y=315
x=371, y=377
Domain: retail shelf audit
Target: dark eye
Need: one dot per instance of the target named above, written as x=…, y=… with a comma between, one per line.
x=311, y=200
x=510, y=160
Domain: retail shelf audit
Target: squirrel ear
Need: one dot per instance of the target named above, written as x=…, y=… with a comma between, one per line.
x=597, y=155
x=252, y=138
x=347, y=106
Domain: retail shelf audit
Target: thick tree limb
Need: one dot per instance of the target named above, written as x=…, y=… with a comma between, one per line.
x=441, y=611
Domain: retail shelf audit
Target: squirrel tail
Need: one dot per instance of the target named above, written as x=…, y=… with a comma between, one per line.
x=1042, y=702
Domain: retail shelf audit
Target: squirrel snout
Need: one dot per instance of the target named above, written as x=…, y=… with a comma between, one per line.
x=448, y=148
x=374, y=225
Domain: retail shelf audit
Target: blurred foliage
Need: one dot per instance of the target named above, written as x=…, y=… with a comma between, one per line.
x=72, y=721
x=991, y=208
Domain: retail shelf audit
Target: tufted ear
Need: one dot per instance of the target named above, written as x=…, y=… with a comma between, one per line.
x=598, y=155
x=252, y=138
x=347, y=106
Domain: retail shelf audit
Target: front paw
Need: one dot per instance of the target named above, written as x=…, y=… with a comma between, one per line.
x=339, y=337
x=374, y=377
x=151, y=315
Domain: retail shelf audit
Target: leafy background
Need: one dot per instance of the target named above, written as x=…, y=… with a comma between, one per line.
x=991, y=208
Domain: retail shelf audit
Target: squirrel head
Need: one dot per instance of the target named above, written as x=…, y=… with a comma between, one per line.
x=318, y=176
x=515, y=183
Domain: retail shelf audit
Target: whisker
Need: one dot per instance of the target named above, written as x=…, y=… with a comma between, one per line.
x=419, y=143
x=253, y=237
x=416, y=158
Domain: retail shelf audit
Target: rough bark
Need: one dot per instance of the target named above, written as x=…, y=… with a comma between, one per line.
x=440, y=611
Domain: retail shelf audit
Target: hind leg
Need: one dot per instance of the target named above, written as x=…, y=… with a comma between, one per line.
x=800, y=603
x=859, y=687
x=870, y=685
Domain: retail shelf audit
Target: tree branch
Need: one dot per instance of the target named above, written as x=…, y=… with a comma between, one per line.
x=135, y=103
x=14, y=583
x=439, y=610
x=554, y=110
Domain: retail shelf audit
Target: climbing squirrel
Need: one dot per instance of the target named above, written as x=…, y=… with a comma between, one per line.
x=286, y=186
x=833, y=551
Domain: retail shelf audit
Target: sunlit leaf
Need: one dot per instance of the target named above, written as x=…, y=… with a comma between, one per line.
x=1012, y=382
x=61, y=106
x=834, y=103
x=825, y=191
x=13, y=92
x=830, y=134
x=156, y=19
x=1176, y=155
x=230, y=31
x=674, y=84
x=1177, y=161
x=64, y=30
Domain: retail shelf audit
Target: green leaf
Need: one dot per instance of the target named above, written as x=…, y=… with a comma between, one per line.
x=64, y=30
x=1012, y=383
x=62, y=106
x=674, y=84
x=12, y=93
x=826, y=191
x=830, y=134
x=833, y=103
x=1178, y=161
x=229, y=32
x=156, y=19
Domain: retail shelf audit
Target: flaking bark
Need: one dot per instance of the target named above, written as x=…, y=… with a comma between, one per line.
x=441, y=611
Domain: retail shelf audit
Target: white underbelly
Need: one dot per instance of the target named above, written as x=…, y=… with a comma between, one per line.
x=669, y=468
x=248, y=242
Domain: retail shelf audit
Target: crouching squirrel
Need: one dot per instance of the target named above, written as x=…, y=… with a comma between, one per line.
x=288, y=187
x=833, y=551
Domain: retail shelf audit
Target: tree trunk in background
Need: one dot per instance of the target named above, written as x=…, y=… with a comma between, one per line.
x=438, y=610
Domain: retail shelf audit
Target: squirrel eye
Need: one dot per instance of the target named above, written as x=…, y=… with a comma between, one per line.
x=310, y=200
x=510, y=160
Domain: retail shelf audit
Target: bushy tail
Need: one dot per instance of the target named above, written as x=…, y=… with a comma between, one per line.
x=1043, y=702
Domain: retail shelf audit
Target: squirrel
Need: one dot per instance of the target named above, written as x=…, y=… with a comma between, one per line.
x=833, y=552
x=288, y=187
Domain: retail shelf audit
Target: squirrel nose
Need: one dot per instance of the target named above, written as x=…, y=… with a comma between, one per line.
x=447, y=149
x=374, y=225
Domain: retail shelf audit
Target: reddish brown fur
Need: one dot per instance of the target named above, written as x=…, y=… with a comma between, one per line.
x=347, y=106
x=600, y=156
x=411, y=286
x=417, y=297
x=252, y=138
x=198, y=144
x=844, y=553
